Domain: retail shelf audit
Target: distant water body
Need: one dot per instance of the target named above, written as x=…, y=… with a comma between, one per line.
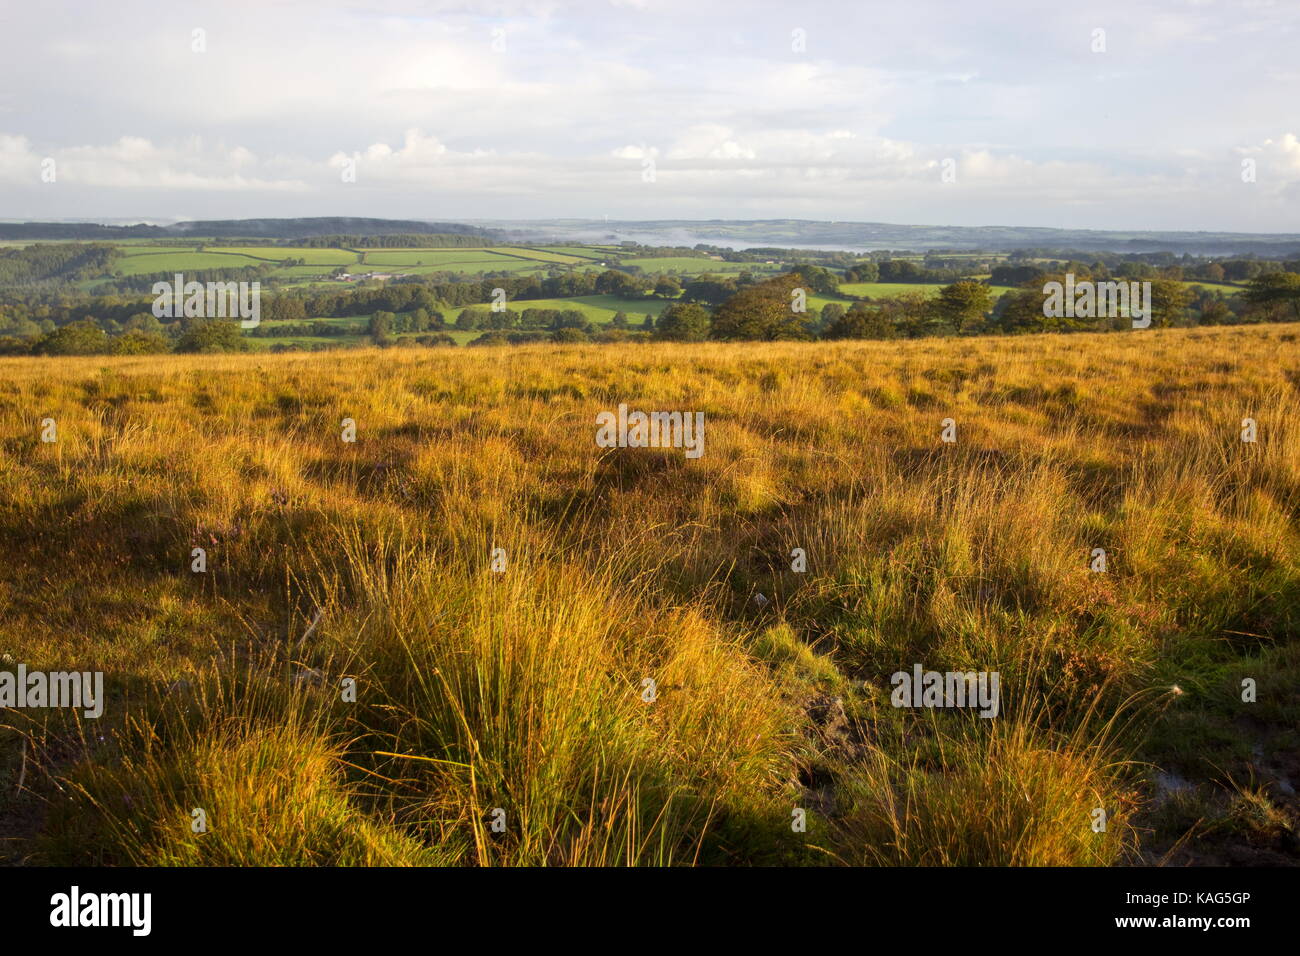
x=689, y=239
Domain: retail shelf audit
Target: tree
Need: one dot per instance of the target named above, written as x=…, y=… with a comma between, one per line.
x=470, y=319
x=666, y=287
x=899, y=270
x=832, y=312
x=138, y=343
x=859, y=323
x=615, y=282
x=504, y=319
x=1020, y=311
x=1168, y=300
x=862, y=272
x=1239, y=270
x=1134, y=270
x=817, y=279
x=570, y=319
x=1275, y=289
x=683, y=322
x=287, y=308
x=144, y=322
x=761, y=312
x=1016, y=274
x=381, y=327
x=911, y=313
x=708, y=290
x=963, y=305
x=213, y=335
x=437, y=339
x=75, y=338
x=619, y=321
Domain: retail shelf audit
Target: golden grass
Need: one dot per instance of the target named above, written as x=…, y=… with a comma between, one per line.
x=522, y=690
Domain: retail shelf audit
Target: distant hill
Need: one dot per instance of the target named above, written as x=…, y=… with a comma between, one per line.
x=733, y=233
x=241, y=228
x=807, y=233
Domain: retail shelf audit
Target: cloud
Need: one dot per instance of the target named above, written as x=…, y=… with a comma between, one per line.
x=134, y=163
x=558, y=118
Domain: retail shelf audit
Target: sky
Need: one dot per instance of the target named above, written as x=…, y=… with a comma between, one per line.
x=1134, y=114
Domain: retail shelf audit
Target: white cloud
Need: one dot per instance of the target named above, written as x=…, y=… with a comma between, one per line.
x=133, y=163
x=738, y=123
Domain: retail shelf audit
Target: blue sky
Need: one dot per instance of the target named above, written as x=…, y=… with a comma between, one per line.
x=649, y=109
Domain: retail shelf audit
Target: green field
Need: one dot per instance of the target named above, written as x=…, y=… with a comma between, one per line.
x=539, y=255
x=593, y=253
x=151, y=257
x=361, y=320
x=312, y=256
x=143, y=263
x=883, y=290
x=420, y=261
x=694, y=266
x=140, y=257
x=597, y=308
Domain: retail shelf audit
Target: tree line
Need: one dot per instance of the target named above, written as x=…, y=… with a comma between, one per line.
x=706, y=307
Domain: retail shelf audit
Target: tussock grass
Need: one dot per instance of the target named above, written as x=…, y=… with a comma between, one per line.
x=523, y=690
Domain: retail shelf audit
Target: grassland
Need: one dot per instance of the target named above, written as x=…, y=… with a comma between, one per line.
x=311, y=256
x=145, y=263
x=882, y=290
x=687, y=265
x=593, y=252
x=524, y=689
x=140, y=259
x=599, y=308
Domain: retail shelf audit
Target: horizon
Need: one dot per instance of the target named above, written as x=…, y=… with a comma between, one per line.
x=164, y=222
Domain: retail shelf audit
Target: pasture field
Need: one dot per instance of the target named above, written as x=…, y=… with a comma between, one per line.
x=308, y=271
x=140, y=250
x=594, y=253
x=688, y=265
x=311, y=256
x=413, y=257
x=140, y=257
x=884, y=290
x=419, y=261
x=142, y=263
x=539, y=255
x=361, y=320
x=640, y=675
x=597, y=308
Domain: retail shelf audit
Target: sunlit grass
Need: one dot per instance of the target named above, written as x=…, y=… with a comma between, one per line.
x=523, y=691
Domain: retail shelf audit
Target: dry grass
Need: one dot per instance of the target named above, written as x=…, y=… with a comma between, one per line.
x=522, y=691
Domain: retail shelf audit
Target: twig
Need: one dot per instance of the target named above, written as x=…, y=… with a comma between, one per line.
x=310, y=628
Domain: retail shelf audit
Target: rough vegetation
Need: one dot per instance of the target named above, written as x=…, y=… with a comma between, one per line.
x=523, y=689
